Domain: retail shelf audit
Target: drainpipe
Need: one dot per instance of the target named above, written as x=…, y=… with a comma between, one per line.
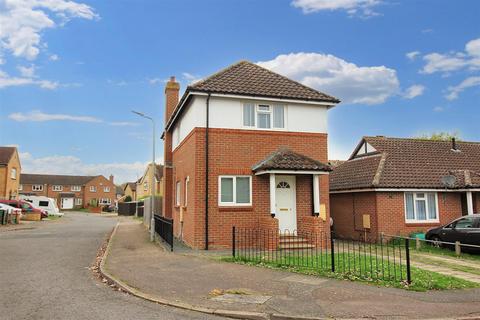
x=207, y=105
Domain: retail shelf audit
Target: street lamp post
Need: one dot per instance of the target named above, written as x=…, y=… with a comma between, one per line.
x=152, y=181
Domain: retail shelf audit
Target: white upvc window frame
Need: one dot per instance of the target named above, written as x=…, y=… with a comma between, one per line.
x=257, y=110
x=75, y=188
x=178, y=192
x=13, y=174
x=234, y=202
x=106, y=189
x=78, y=201
x=37, y=187
x=57, y=188
x=425, y=198
x=93, y=189
x=185, y=200
x=105, y=201
x=20, y=187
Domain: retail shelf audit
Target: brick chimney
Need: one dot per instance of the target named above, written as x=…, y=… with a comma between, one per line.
x=111, y=178
x=172, y=89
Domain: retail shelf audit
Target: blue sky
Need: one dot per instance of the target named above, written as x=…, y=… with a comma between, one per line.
x=71, y=72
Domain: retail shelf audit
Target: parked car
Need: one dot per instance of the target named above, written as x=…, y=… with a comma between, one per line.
x=466, y=230
x=25, y=206
x=44, y=203
x=11, y=210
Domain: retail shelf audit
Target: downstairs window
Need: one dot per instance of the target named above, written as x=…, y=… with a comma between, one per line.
x=421, y=207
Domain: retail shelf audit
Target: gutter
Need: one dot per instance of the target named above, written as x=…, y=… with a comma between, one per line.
x=207, y=109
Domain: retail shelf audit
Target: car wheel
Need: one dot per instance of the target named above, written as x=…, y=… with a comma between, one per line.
x=436, y=242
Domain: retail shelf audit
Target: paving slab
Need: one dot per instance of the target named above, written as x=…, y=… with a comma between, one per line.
x=199, y=281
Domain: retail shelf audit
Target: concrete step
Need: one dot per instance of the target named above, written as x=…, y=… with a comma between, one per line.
x=295, y=246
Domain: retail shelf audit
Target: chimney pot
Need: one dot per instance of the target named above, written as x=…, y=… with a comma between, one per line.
x=172, y=79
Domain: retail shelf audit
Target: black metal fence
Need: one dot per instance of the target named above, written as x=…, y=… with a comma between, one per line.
x=164, y=228
x=387, y=260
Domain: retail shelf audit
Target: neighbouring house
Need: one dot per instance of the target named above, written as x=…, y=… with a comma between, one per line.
x=245, y=147
x=70, y=192
x=130, y=189
x=10, y=169
x=144, y=185
x=402, y=186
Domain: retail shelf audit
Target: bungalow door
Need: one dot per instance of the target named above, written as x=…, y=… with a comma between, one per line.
x=285, y=194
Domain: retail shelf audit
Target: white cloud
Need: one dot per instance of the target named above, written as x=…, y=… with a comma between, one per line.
x=123, y=124
x=54, y=57
x=414, y=91
x=454, y=91
x=38, y=116
x=191, y=78
x=347, y=81
x=412, y=55
x=454, y=61
x=9, y=81
x=352, y=7
x=154, y=81
x=23, y=21
x=71, y=165
x=28, y=72
x=438, y=109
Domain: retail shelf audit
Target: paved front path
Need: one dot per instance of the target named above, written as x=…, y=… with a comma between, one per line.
x=190, y=279
x=44, y=275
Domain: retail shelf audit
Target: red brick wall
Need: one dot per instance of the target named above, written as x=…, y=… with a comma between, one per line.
x=347, y=213
x=99, y=182
x=391, y=212
x=234, y=152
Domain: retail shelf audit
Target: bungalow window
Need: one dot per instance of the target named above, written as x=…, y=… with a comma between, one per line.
x=263, y=116
x=177, y=194
x=235, y=190
x=75, y=188
x=57, y=188
x=421, y=207
x=37, y=187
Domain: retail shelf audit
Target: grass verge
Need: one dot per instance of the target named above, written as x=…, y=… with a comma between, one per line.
x=380, y=272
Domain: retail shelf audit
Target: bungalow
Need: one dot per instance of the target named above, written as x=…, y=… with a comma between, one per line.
x=245, y=147
x=401, y=186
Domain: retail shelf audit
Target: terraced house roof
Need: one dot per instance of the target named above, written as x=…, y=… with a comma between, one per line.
x=409, y=163
x=27, y=178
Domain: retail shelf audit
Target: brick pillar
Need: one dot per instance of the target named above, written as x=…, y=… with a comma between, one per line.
x=172, y=89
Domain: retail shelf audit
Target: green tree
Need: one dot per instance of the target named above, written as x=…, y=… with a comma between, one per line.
x=440, y=136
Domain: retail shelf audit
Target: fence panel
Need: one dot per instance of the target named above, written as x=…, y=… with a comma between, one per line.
x=164, y=228
x=387, y=260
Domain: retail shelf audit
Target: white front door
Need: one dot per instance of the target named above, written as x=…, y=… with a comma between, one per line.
x=67, y=203
x=285, y=194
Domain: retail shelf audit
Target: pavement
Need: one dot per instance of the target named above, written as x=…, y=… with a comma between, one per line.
x=45, y=274
x=200, y=281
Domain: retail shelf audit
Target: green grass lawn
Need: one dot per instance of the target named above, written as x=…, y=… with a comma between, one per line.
x=377, y=270
x=426, y=248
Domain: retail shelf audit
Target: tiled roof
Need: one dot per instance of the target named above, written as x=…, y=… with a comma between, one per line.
x=6, y=154
x=133, y=185
x=246, y=78
x=26, y=178
x=409, y=163
x=285, y=159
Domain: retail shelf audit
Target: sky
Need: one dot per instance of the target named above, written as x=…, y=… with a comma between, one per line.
x=72, y=71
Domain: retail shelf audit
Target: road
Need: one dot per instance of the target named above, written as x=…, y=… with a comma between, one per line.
x=44, y=274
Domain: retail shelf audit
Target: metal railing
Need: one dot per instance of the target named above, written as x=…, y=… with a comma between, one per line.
x=388, y=260
x=164, y=228
x=457, y=245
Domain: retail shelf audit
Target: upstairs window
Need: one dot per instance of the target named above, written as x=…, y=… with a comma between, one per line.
x=75, y=188
x=263, y=116
x=37, y=187
x=421, y=207
x=13, y=173
x=93, y=189
x=106, y=189
x=57, y=188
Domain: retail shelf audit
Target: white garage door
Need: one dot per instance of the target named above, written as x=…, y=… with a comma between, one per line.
x=67, y=203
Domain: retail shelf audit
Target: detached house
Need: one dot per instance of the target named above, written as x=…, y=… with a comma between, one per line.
x=245, y=147
x=400, y=186
x=9, y=172
x=70, y=191
x=144, y=184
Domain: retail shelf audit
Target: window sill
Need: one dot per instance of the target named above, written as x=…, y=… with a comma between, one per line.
x=235, y=208
x=422, y=223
